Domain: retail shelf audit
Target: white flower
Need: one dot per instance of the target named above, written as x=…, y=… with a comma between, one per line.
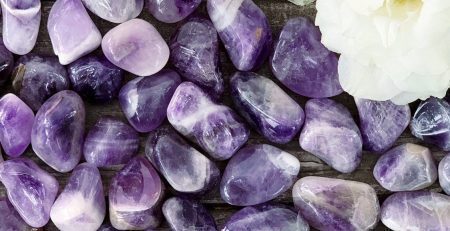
x=395, y=50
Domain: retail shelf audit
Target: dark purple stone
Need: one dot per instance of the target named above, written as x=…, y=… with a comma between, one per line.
x=171, y=11
x=6, y=63
x=444, y=174
x=10, y=219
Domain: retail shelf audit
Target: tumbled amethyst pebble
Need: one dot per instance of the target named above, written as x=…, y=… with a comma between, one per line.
x=194, y=52
x=183, y=214
x=107, y=227
x=6, y=64
x=30, y=189
x=117, y=11
x=171, y=11
x=265, y=106
x=10, y=219
x=444, y=174
x=58, y=131
x=144, y=100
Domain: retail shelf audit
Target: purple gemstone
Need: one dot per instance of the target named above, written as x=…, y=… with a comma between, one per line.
x=381, y=123
x=110, y=142
x=36, y=78
x=444, y=174
x=95, y=78
x=266, y=107
x=334, y=204
x=6, y=64
x=302, y=63
x=244, y=30
x=135, y=196
x=215, y=127
x=82, y=203
x=144, y=100
x=16, y=121
x=117, y=11
x=171, y=11
x=71, y=30
x=257, y=174
x=331, y=134
x=266, y=217
x=10, y=219
x=58, y=130
x=185, y=169
x=30, y=189
x=106, y=227
x=418, y=210
x=183, y=215
x=194, y=52
x=136, y=46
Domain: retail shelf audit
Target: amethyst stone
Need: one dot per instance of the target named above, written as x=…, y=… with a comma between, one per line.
x=407, y=167
x=16, y=121
x=334, y=204
x=135, y=194
x=30, y=189
x=258, y=173
x=170, y=11
x=381, y=123
x=331, y=134
x=144, y=100
x=418, y=210
x=106, y=227
x=244, y=31
x=444, y=174
x=110, y=142
x=216, y=128
x=117, y=11
x=6, y=64
x=194, y=52
x=36, y=78
x=95, y=78
x=185, y=169
x=10, y=219
x=302, y=63
x=266, y=217
x=266, y=107
x=82, y=203
x=58, y=130
x=183, y=214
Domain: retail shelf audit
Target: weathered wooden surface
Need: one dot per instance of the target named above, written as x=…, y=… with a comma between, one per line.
x=278, y=11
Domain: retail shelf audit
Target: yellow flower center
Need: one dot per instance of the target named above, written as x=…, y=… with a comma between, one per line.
x=401, y=9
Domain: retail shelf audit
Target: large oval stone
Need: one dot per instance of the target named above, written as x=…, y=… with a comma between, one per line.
x=117, y=11
x=171, y=11
x=444, y=174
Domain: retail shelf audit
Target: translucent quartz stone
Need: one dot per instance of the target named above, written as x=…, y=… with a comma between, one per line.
x=171, y=11
x=117, y=11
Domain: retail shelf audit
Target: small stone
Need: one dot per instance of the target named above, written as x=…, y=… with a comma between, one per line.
x=58, y=131
x=95, y=78
x=302, y=63
x=136, y=46
x=107, y=227
x=265, y=106
x=302, y=2
x=444, y=174
x=117, y=11
x=257, y=174
x=82, y=203
x=335, y=204
x=420, y=210
x=183, y=214
x=171, y=11
x=331, y=134
x=194, y=52
x=30, y=189
x=185, y=169
x=144, y=100
x=36, y=78
x=135, y=196
x=6, y=64
x=71, y=30
x=21, y=21
x=381, y=123
x=215, y=127
x=16, y=121
x=110, y=142
x=244, y=30
x=407, y=167
x=10, y=218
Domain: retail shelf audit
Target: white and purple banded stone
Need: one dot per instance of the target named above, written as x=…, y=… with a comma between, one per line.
x=444, y=174
x=171, y=11
x=117, y=11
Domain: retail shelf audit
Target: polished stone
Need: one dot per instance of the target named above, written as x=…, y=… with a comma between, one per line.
x=10, y=219
x=171, y=11
x=117, y=11
x=444, y=174
x=6, y=64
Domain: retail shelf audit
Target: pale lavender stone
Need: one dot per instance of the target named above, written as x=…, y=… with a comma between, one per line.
x=420, y=210
x=265, y=106
x=137, y=47
x=185, y=169
x=117, y=11
x=71, y=30
x=10, y=219
x=21, y=21
x=381, y=123
x=171, y=11
x=407, y=167
x=444, y=174
x=215, y=127
x=331, y=134
x=6, y=64
x=58, y=131
x=16, y=121
x=30, y=189
x=110, y=142
x=144, y=100
x=82, y=202
x=335, y=204
x=257, y=174
x=135, y=196
x=244, y=30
